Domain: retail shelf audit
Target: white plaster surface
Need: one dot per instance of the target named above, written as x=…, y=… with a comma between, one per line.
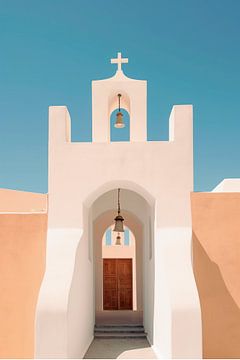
x=177, y=324
x=51, y=314
x=157, y=178
x=133, y=100
x=228, y=185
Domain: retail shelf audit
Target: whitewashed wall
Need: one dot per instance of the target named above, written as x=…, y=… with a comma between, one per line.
x=161, y=174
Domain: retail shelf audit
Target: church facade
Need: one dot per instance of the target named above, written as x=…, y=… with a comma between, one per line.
x=155, y=179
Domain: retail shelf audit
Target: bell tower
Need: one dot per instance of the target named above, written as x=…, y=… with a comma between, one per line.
x=105, y=100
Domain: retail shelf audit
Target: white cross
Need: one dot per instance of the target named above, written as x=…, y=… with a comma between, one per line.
x=119, y=61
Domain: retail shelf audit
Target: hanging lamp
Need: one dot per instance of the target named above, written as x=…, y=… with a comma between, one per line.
x=119, y=124
x=118, y=219
x=118, y=239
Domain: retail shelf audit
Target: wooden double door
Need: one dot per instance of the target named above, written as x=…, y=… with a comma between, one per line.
x=117, y=284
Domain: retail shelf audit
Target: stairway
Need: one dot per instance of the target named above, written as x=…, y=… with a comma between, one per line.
x=119, y=331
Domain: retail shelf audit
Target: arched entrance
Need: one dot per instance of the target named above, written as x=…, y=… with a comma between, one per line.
x=137, y=213
x=66, y=311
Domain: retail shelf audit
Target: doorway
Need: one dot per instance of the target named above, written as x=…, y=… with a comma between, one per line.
x=135, y=245
x=117, y=284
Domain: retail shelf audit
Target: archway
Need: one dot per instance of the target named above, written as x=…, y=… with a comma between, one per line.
x=71, y=254
x=137, y=213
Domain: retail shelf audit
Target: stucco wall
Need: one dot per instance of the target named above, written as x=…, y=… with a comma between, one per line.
x=22, y=263
x=159, y=172
x=22, y=201
x=163, y=170
x=216, y=263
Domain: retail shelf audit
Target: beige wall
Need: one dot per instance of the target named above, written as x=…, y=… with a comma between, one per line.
x=216, y=262
x=22, y=201
x=22, y=264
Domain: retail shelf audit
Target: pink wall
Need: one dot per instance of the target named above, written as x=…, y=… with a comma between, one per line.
x=22, y=264
x=216, y=262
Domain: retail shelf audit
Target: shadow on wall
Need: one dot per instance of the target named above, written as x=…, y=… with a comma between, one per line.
x=220, y=313
x=80, y=315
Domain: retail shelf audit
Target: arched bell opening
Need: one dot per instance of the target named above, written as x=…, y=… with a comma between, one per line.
x=120, y=132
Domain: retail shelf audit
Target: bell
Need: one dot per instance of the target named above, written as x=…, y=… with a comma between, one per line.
x=118, y=223
x=119, y=124
x=118, y=240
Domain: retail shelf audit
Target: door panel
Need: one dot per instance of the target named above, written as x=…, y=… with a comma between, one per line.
x=110, y=299
x=117, y=284
x=124, y=284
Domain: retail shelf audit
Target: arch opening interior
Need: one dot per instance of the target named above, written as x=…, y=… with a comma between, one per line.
x=137, y=214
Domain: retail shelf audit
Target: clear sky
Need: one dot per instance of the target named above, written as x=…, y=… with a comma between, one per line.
x=188, y=50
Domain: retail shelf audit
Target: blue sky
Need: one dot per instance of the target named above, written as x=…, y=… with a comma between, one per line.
x=188, y=50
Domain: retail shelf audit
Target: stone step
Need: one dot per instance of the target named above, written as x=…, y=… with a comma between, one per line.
x=118, y=325
x=120, y=329
x=118, y=335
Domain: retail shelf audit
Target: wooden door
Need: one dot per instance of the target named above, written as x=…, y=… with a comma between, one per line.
x=110, y=290
x=124, y=271
x=117, y=284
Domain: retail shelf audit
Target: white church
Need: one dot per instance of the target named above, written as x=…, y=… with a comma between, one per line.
x=119, y=234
